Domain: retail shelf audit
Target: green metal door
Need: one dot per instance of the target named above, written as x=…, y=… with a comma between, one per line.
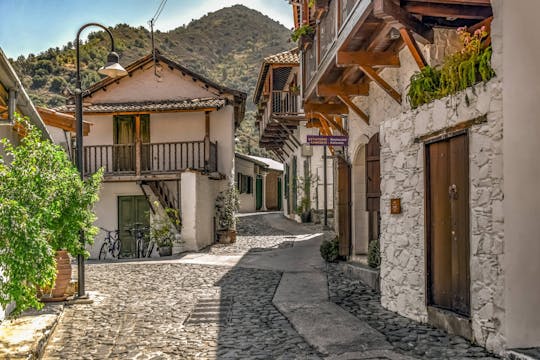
x=279, y=195
x=131, y=210
x=258, y=193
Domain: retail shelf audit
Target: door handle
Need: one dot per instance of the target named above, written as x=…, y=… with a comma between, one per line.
x=452, y=192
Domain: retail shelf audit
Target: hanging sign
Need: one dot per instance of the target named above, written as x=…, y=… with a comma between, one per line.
x=322, y=140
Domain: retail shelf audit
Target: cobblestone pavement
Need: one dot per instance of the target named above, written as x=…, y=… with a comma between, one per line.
x=407, y=336
x=255, y=234
x=153, y=310
x=140, y=312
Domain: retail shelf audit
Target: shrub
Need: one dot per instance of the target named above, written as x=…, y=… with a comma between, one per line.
x=44, y=205
x=374, y=254
x=305, y=29
x=330, y=250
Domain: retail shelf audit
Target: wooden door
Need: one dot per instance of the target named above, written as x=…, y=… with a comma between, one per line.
x=124, y=139
x=448, y=224
x=344, y=207
x=131, y=210
x=373, y=187
x=279, y=196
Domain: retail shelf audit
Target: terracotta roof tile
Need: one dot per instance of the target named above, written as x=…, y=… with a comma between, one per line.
x=286, y=57
x=164, y=106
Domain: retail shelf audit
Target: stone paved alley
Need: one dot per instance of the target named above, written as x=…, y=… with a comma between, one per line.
x=174, y=309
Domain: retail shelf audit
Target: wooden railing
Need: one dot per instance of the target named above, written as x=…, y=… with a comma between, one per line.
x=149, y=158
x=285, y=102
x=329, y=30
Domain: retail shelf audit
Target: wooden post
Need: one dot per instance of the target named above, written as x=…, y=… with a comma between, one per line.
x=137, y=145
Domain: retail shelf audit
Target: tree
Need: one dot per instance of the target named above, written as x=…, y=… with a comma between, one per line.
x=44, y=205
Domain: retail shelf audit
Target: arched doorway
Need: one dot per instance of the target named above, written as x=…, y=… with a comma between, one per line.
x=373, y=186
x=359, y=226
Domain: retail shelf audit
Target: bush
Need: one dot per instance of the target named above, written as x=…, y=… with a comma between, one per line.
x=44, y=205
x=374, y=254
x=330, y=250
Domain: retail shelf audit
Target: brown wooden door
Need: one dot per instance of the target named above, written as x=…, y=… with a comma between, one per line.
x=373, y=186
x=448, y=224
x=344, y=207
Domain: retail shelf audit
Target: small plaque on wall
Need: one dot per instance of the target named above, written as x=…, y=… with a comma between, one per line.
x=395, y=206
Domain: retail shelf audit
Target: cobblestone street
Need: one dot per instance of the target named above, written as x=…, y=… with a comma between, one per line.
x=173, y=310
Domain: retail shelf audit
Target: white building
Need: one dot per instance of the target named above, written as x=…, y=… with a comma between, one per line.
x=165, y=134
x=449, y=188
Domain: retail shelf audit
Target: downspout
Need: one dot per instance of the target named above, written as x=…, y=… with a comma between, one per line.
x=12, y=105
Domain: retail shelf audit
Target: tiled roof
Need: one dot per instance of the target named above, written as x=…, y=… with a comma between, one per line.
x=286, y=57
x=159, y=106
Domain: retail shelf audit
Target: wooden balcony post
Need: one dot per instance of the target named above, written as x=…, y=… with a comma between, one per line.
x=137, y=145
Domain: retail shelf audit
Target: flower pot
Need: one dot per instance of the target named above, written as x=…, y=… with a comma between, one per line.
x=227, y=236
x=165, y=250
x=306, y=216
x=306, y=41
x=63, y=278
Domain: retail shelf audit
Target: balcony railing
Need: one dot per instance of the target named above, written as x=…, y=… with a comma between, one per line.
x=285, y=102
x=151, y=158
x=330, y=29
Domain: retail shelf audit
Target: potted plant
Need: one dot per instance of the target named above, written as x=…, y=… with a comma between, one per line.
x=160, y=231
x=227, y=204
x=304, y=34
x=304, y=210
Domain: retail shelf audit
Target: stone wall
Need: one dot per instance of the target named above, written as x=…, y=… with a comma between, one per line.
x=402, y=236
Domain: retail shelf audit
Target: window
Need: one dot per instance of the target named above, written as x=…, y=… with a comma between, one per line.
x=244, y=184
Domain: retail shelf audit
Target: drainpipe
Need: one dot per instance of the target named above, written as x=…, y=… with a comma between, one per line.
x=12, y=105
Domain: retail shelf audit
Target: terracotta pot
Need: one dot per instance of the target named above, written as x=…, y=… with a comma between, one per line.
x=165, y=250
x=63, y=276
x=227, y=236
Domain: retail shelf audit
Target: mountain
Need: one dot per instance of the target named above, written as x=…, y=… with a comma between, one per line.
x=226, y=46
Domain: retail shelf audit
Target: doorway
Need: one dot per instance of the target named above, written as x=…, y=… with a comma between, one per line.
x=124, y=139
x=447, y=195
x=131, y=210
x=373, y=187
x=344, y=207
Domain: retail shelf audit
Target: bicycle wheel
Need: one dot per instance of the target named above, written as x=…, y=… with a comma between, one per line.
x=103, y=251
x=140, y=248
x=150, y=249
x=116, y=249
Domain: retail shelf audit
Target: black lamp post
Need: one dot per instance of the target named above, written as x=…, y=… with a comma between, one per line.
x=112, y=69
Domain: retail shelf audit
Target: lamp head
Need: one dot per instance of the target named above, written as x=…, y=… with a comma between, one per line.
x=113, y=68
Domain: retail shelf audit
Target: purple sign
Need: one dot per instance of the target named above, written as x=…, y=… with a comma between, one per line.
x=322, y=140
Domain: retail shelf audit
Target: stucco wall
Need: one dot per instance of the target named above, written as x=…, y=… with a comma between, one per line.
x=143, y=85
x=521, y=169
x=402, y=236
x=247, y=201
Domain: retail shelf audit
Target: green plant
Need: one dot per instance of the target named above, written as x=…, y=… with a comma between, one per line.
x=44, y=205
x=160, y=228
x=374, y=254
x=227, y=204
x=304, y=30
x=330, y=250
x=459, y=71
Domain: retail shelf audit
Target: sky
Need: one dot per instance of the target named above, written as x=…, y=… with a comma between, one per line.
x=32, y=26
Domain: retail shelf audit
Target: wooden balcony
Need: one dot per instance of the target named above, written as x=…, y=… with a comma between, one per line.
x=142, y=161
x=279, y=119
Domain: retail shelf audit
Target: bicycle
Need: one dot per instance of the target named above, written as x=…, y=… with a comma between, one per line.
x=144, y=247
x=111, y=245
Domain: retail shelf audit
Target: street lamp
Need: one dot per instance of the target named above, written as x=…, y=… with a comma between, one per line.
x=112, y=69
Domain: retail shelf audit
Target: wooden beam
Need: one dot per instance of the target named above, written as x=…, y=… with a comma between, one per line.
x=372, y=74
x=370, y=58
x=138, y=143
x=331, y=123
x=345, y=99
x=326, y=108
x=340, y=88
x=448, y=10
x=413, y=47
x=207, y=123
x=62, y=121
x=391, y=12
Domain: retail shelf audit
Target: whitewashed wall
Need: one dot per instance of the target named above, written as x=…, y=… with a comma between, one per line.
x=247, y=201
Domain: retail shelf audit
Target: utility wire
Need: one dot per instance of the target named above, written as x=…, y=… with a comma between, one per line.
x=152, y=22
